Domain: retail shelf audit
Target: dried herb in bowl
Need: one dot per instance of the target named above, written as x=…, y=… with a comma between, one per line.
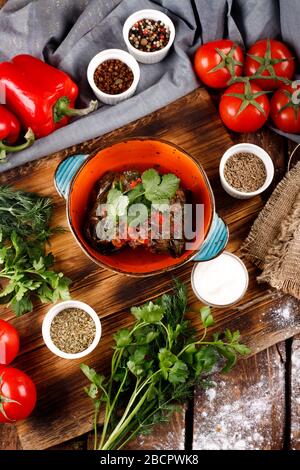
x=72, y=330
x=245, y=172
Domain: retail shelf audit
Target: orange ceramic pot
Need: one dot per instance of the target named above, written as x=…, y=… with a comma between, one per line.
x=77, y=175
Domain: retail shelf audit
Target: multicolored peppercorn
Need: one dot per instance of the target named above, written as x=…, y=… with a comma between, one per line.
x=149, y=35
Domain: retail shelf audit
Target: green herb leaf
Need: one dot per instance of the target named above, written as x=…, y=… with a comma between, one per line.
x=117, y=203
x=152, y=392
x=21, y=306
x=143, y=339
x=92, y=391
x=151, y=336
x=39, y=265
x=139, y=354
x=122, y=338
x=9, y=288
x=242, y=349
x=166, y=360
x=134, y=195
x=159, y=190
x=230, y=356
x=178, y=373
x=135, y=369
x=206, y=317
x=91, y=374
x=151, y=179
x=189, y=353
x=149, y=312
x=205, y=359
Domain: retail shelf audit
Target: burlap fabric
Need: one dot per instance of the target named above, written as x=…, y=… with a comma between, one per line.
x=273, y=243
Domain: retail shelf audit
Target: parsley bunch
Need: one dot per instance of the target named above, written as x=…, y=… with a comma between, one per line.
x=155, y=364
x=25, y=267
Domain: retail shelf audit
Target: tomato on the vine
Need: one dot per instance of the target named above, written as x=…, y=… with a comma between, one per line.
x=218, y=61
x=17, y=395
x=9, y=342
x=272, y=60
x=285, y=109
x=244, y=107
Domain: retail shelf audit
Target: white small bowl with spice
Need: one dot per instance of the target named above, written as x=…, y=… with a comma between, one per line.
x=246, y=170
x=113, y=75
x=71, y=329
x=149, y=35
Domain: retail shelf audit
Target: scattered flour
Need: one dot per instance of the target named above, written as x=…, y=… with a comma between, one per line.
x=296, y=359
x=234, y=418
x=295, y=390
x=211, y=393
x=286, y=314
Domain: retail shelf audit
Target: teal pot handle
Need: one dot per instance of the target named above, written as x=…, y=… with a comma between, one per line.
x=66, y=171
x=215, y=241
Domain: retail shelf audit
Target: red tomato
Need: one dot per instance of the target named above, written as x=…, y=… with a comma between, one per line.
x=217, y=61
x=270, y=58
x=244, y=107
x=285, y=109
x=9, y=342
x=17, y=395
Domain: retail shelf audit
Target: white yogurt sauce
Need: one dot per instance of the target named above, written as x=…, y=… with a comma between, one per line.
x=221, y=281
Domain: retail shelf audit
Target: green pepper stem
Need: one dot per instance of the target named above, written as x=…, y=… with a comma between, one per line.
x=62, y=108
x=29, y=137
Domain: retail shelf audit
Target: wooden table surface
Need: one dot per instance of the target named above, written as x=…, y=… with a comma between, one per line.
x=256, y=406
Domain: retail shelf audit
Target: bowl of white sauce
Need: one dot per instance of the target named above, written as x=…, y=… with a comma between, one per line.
x=220, y=282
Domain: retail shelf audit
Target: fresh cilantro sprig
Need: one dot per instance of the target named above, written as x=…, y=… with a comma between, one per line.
x=154, y=190
x=155, y=364
x=25, y=266
x=159, y=189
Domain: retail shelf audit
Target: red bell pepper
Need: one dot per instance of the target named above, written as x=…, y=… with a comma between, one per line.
x=9, y=133
x=42, y=96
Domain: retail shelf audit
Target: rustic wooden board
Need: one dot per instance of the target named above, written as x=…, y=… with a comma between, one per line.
x=63, y=411
x=295, y=394
x=244, y=410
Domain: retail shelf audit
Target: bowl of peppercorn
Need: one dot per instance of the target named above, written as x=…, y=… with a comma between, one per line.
x=246, y=170
x=113, y=75
x=149, y=35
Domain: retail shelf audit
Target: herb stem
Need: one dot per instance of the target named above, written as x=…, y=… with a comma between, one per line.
x=111, y=408
x=96, y=426
x=205, y=343
x=107, y=405
x=142, y=424
x=168, y=335
x=125, y=422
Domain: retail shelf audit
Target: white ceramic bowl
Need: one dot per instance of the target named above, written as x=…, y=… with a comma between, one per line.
x=199, y=266
x=148, y=57
x=116, y=54
x=259, y=152
x=49, y=318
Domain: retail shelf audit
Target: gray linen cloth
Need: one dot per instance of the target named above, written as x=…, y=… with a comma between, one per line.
x=68, y=33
